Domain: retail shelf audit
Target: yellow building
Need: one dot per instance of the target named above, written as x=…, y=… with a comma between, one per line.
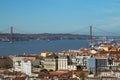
x=106, y=47
x=44, y=54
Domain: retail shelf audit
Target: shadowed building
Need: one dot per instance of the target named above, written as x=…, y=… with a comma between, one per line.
x=51, y=63
x=6, y=62
x=101, y=64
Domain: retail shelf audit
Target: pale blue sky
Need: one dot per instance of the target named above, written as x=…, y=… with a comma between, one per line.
x=60, y=16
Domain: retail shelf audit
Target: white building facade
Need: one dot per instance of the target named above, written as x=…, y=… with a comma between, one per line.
x=62, y=63
x=26, y=67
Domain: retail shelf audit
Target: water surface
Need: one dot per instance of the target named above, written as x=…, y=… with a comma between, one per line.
x=38, y=46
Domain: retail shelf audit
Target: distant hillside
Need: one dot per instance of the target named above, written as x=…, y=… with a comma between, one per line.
x=44, y=36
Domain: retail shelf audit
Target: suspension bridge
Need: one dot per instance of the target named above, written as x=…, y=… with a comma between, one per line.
x=89, y=31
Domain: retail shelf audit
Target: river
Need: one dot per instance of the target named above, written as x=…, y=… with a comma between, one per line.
x=38, y=46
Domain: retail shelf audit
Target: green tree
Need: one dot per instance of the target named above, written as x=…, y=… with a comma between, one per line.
x=82, y=76
x=51, y=70
x=84, y=62
x=44, y=70
x=79, y=67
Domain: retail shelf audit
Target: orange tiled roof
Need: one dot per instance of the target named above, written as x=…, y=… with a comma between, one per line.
x=111, y=71
x=79, y=72
x=12, y=73
x=28, y=55
x=97, y=56
x=58, y=72
x=116, y=60
x=108, y=77
x=19, y=78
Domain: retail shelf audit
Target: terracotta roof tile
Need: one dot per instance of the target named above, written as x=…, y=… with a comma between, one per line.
x=19, y=78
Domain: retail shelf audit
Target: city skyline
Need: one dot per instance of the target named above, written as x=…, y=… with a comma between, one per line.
x=60, y=16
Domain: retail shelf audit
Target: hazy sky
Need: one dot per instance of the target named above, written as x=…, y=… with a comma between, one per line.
x=60, y=16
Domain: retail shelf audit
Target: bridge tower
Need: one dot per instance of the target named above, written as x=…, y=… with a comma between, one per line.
x=11, y=34
x=90, y=34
